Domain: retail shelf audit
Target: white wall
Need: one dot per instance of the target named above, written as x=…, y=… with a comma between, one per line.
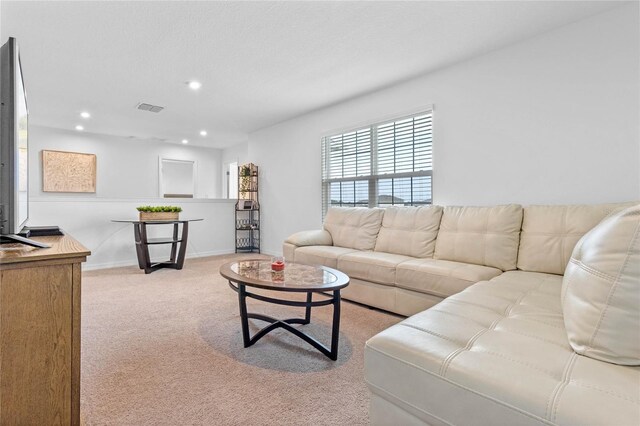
x=234, y=154
x=112, y=244
x=127, y=176
x=126, y=168
x=554, y=119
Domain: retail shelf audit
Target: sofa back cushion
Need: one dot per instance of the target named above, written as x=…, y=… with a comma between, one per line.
x=601, y=291
x=481, y=235
x=353, y=227
x=410, y=231
x=549, y=234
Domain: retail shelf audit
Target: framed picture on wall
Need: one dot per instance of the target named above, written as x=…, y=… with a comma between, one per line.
x=68, y=171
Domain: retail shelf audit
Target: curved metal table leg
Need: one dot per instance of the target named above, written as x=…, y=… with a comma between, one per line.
x=274, y=323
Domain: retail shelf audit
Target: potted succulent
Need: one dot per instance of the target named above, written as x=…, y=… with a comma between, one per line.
x=159, y=212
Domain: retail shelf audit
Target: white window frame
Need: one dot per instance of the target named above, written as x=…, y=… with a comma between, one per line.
x=374, y=175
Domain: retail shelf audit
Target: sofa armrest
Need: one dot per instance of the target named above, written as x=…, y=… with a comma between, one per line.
x=318, y=237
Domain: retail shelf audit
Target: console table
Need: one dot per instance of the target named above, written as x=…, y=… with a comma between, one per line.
x=40, y=332
x=178, y=243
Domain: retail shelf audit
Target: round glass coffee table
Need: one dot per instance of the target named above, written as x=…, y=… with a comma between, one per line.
x=325, y=282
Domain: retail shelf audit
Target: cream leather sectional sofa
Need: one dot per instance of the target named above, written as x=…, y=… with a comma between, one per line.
x=500, y=344
x=407, y=259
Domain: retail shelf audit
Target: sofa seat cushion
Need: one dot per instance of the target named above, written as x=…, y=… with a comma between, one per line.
x=320, y=255
x=441, y=277
x=372, y=266
x=497, y=353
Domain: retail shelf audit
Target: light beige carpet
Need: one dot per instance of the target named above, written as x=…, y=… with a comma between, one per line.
x=166, y=349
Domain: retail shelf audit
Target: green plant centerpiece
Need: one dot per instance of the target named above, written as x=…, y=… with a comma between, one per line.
x=159, y=212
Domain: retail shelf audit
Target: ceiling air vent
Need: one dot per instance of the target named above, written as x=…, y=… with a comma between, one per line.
x=149, y=107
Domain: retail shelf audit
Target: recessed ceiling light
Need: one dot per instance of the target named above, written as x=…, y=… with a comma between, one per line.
x=85, y=114
x=79, y=128
x=194, y=85
x=185, y=141
x=203, y=133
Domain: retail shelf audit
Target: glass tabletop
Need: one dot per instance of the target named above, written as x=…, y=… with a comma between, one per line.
x=294, y=277
x=156, y=220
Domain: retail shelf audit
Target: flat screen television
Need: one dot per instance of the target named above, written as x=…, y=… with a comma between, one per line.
x=14, y=147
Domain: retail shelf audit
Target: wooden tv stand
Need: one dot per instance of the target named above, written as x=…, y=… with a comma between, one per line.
x=40, y=332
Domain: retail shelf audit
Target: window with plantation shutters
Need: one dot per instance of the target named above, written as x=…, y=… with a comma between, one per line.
x=384, y=164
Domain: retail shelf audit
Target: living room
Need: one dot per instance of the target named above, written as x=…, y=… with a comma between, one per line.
x=526, y=103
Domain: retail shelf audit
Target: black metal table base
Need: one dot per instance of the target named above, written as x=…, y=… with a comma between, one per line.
x=178, y=247
x=274, y=323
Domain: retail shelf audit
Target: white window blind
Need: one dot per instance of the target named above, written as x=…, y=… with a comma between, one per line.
x=384, y=164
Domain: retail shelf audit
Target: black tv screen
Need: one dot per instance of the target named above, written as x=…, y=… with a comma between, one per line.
x=14, y=137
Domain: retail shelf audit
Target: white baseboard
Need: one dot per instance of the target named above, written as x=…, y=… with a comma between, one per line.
x=134, y=262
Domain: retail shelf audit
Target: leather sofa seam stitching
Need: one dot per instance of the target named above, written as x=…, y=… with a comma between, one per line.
x=459, y=316
x=484, y=240
x=447, y=362
x=378, y=388
x=431, y=293
x=519, y=362
x=433, y=333
x=457, y=232
x=555, y=234
x=502, y=403
x=466, y=302
x=552, y=403
x=477, y=305
x=509, y=308
x=593, y=271
x=617, y=395
x=457, y=267
x=540, y=309
x=574, y=357
x=371, y=264
x=562, y=240
x=518, y=302
x=445, y=276
x=613, y=289
x=533, y=336
x=542, y=322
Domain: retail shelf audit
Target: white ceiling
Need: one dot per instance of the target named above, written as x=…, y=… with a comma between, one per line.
x=260, y=63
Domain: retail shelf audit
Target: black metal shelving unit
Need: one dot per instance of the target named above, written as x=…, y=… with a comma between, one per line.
x=247, y=218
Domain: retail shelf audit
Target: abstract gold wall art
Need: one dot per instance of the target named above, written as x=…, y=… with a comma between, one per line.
x=68, y=171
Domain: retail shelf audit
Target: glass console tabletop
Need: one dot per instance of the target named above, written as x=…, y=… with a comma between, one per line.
x=159, y=222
